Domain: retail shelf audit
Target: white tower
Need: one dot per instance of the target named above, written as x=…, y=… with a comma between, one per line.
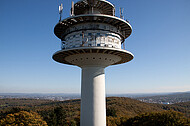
x=91, y=39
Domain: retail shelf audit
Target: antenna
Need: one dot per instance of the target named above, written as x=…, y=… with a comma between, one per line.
x=60, y=11
x=114, y=11
x=121, y=13
x=72, y=8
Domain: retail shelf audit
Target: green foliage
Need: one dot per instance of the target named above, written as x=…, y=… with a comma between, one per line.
x=73, y=123
x=110, y=111
x=11, y=111
x=60, y=116
x=166, y=118
x=130, y=106
x=120, y=110
x=4, y=103
x=23, y=118
x=113, y=121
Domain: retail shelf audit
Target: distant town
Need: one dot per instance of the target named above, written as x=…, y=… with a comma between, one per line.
x=53, y=97
x=167, y=99
x=161, y=98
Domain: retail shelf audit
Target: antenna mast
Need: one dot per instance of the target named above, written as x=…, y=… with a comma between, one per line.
x=72, y=8
x=60, y=11
x=121, y=13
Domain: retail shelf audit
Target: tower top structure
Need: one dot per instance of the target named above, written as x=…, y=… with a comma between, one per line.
x=98, y=6
x=99, y=29
x=94, y=11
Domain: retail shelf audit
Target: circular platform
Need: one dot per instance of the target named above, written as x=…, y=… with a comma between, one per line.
x=102, y=5
x=124, y=27
x=100, y=56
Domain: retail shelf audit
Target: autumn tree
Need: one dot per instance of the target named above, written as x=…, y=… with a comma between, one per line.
x=110, y=111
x=58, y=117
x=166, y=118
x=23, y=118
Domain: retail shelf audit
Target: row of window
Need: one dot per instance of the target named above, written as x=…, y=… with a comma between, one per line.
x=92, y=39
x=93, y=26
x=91, y=34
x=98, y=45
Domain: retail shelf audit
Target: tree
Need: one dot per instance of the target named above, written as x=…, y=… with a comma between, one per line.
x=166, y=118
x=110, y=111
x=60, y=116
x=23, y=118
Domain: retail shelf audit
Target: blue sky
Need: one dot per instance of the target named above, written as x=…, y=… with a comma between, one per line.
x=160, y=42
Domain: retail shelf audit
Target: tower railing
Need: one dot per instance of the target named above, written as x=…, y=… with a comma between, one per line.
x=63, y=46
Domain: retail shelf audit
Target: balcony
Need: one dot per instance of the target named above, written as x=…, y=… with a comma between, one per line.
x=63, y=46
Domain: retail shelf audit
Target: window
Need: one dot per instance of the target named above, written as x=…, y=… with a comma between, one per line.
x=109, y=39
x=98, y=44
x=90, y=38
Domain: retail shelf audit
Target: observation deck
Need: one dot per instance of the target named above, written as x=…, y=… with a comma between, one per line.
x=93, y=29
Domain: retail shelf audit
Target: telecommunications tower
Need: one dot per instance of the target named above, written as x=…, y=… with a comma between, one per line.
x=92, y=39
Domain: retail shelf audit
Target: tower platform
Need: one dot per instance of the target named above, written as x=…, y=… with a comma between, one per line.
x=104, y=56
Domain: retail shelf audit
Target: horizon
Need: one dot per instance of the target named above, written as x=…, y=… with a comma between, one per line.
x=106, y=93
x=160, y=43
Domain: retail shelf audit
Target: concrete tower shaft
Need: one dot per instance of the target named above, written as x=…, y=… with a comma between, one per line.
x=91, y=39
x=93, y=104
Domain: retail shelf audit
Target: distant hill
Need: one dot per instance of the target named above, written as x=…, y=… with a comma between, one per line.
x=183, y=107
x=118, y=108
x=130, y=107
x=162, y=98
x=123, y=106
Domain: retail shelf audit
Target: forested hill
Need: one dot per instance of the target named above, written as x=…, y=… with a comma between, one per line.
x=122, y=105
x=131, y=107
x=117, y=107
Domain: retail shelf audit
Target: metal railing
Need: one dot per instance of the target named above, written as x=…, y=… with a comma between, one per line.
x=63, y=46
